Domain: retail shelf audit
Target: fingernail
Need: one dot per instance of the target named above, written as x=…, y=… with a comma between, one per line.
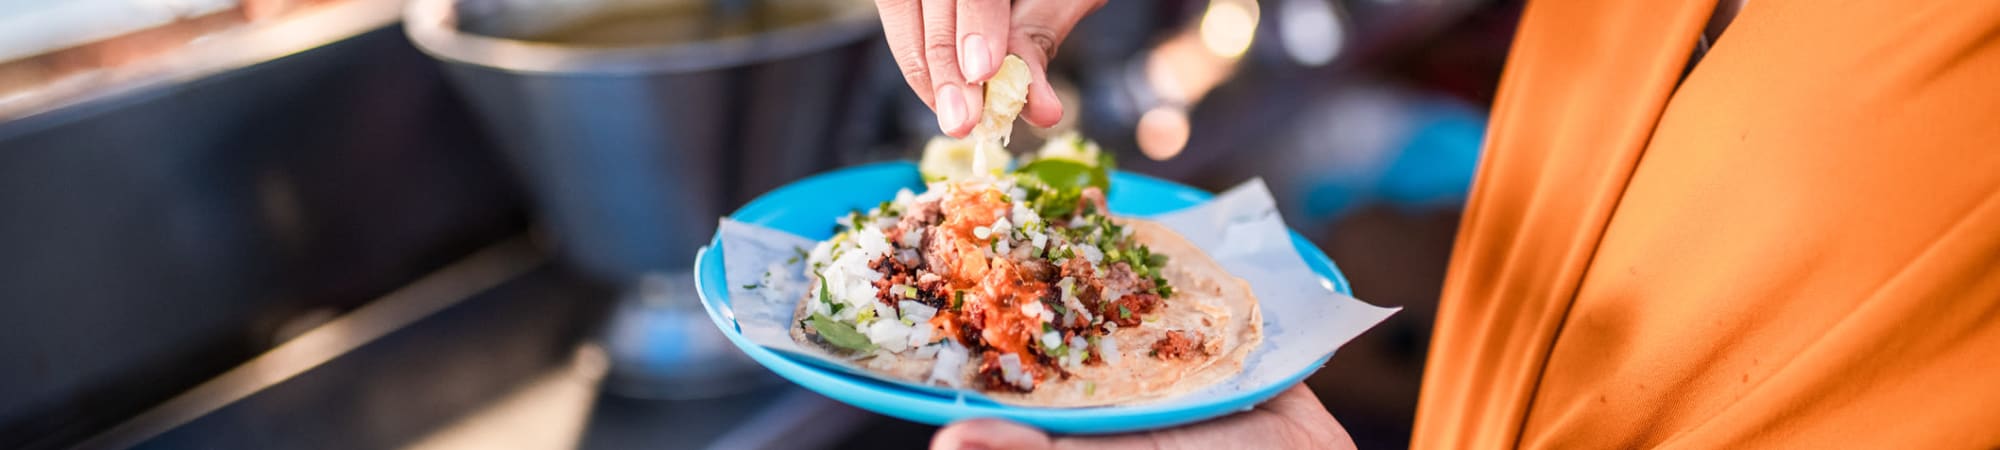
x=973, y=56
x=950, y=107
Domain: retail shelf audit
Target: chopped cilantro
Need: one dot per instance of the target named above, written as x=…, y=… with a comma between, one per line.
x=957, y=300
x=840, y=334
x=750, y=286
x=1124, y=313
x=1047, y=201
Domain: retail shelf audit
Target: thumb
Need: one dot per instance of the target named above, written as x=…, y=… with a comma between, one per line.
x=1039, y=27
x=990, y=434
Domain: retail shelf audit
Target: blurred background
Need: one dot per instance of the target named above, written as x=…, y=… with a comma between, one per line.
x=470, y=223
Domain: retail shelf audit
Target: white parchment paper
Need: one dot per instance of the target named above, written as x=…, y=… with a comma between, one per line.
x=1304, y=319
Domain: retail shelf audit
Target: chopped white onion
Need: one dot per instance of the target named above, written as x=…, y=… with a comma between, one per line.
x=891, y=335
x=1112, y=295
x=1023, y=215
x=920, y=335
x=950, y=361
x=1051, y=340
x=1078, y=349
x=1089, y=253
x=982, y=232
x=1107, y=348
x=1070, y=301
x=1033, y=309
x=916, y=312
x=932, y=191
x=1010, y=371
x=847, y=275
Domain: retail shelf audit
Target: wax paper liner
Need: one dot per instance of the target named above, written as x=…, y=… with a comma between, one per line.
x=1304, y=319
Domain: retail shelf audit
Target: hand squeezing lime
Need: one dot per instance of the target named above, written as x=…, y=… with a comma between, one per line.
x=984, y=152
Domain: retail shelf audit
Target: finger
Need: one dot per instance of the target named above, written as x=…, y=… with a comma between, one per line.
x=989, y=434
x=1299, y=404
x=1298, y=401
x=903, y=26
x=1043, y=108
x=956, y=104
x=982, y=41
x=1039, y=28
x=1294, y=419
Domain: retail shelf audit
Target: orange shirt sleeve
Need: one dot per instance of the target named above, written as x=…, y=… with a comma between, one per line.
x=1798, y=245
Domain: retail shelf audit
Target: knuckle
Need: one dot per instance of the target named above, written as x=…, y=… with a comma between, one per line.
x=916, y=71
x=1041, y=37
x=941, y=52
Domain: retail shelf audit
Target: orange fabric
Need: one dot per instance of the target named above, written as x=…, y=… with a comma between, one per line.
x=1797, y=246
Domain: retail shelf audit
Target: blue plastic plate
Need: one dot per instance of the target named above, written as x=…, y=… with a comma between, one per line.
x=808, y=207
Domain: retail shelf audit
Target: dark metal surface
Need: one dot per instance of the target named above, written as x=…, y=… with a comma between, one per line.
x=389, y=371
x=632, y=152
x=158, y=236
x=491, y=351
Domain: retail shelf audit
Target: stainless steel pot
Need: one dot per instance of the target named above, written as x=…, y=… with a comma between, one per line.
x=633, y=151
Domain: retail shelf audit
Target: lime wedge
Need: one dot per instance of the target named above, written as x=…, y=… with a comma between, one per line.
x=1006, y=93
x=946, y=158
x=1071, y=146
x=985, y=150
x=1067, y=175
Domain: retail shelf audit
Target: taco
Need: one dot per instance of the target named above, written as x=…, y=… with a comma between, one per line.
x=987, y=285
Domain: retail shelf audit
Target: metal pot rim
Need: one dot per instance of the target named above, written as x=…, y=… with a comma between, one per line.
x=432, y=26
